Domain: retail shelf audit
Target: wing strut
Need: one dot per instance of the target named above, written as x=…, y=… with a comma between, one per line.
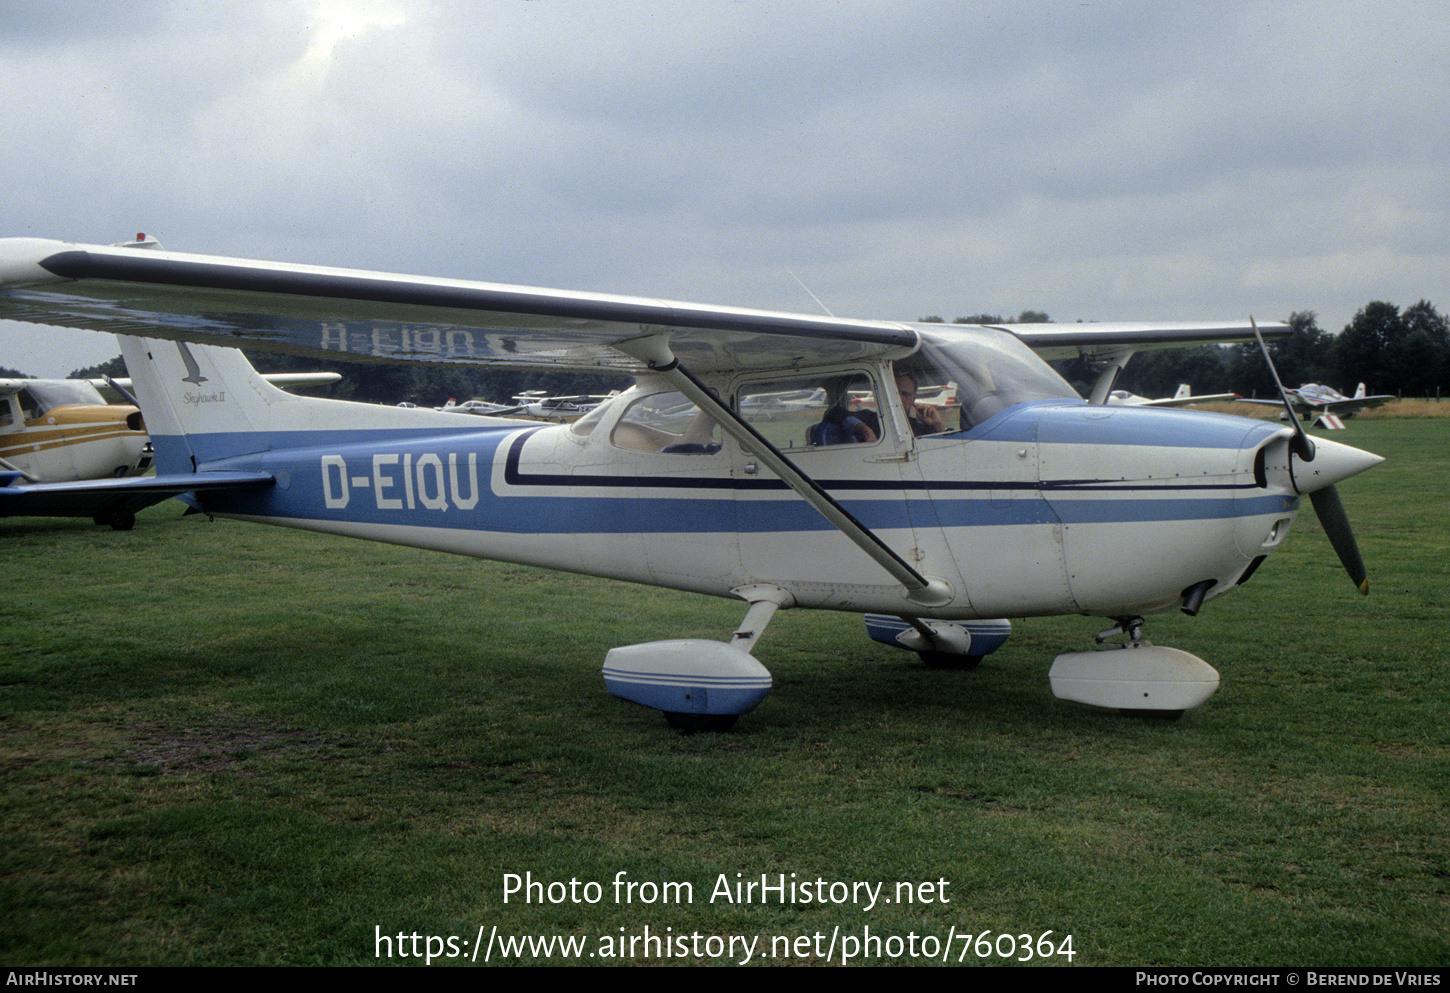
x=1109, y=367
x=655, y=352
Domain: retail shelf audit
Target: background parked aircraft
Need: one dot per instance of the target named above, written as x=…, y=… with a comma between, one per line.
x=57, y=433
x=1183, y=398
x=1325, y=406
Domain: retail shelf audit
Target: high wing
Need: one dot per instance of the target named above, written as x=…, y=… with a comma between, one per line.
x=334, y=313
x=1100, y=342
x=368, y=316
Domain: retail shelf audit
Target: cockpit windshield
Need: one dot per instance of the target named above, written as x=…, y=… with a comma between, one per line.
x=989, y=371
x=42, y=396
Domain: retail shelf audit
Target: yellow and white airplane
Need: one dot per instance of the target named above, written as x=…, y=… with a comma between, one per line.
x=59, y=435
x=58, y=430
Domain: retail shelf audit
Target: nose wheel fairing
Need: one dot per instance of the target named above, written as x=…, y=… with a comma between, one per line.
x=1134, y=678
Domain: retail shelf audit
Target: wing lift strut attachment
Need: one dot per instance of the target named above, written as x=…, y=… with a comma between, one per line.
x=706, y=685
x=1108, y=367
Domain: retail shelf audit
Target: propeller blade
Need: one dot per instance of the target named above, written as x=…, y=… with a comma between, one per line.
x=1336, y=525
x=1347, y=462
x=1303, y=444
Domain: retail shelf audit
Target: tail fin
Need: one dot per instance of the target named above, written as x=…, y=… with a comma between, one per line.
x=1359, y=393
x=200, y=403
x=203, y=404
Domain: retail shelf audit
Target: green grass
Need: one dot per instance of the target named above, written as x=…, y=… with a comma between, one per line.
x=227, y=744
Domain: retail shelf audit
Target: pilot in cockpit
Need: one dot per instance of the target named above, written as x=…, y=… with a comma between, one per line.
x=924, y=417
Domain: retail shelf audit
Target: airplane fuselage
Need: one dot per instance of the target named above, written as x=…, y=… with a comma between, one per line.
x=72, y=441
x=1035, y=511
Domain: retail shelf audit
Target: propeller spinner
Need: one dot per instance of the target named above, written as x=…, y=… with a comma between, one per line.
x=1322, y=465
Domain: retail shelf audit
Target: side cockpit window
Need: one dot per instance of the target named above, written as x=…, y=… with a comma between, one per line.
x=31, y=407
x=813, y=411
x=668, y=424
x=929, y=396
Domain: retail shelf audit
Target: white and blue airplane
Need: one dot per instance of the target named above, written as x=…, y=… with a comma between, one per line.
x=1324, y=406
x=1020, y=500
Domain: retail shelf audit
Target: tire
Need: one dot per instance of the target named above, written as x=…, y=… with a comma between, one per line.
x=946, y=660
x=695, y=723
x=1151, y=715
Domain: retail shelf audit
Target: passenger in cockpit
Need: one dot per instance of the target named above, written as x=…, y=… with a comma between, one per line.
x=842, y=423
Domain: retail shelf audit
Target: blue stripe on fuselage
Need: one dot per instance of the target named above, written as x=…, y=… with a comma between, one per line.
x=439, y=478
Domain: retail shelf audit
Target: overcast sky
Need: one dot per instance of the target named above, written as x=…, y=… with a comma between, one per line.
x=1096, y=160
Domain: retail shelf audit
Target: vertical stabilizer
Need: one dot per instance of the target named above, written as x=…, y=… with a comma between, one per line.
x=200, y=403
x=203, y=404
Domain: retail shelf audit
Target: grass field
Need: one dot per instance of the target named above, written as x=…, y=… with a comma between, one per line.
x=228, y=744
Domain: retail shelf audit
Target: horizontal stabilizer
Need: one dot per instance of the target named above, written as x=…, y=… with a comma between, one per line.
x=109, y=498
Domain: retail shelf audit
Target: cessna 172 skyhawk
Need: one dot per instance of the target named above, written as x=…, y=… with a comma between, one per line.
x=1021, y=500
